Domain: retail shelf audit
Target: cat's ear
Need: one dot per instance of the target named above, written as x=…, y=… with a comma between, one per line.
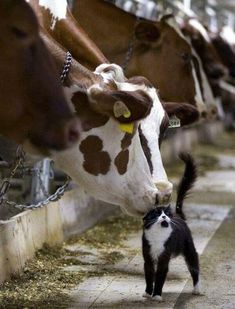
x=145, y=217
x=168, y=208
x=149, y=214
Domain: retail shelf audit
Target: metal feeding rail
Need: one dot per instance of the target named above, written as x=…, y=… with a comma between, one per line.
x=41, y=174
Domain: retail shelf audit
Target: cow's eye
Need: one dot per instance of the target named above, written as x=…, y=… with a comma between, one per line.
x=19, y=33
x=187, y=57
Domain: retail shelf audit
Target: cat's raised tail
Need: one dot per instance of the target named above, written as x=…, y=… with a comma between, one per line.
x=186, y=183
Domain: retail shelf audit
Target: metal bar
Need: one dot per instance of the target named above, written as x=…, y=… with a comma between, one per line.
x=40, y=180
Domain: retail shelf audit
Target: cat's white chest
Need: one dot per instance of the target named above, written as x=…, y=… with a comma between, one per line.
x=157, y=236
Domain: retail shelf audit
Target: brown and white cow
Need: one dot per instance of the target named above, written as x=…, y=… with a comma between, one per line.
x=201, y=41
x=227, y=55
x=108, y=162
x=119, y=167
x=32, y=104
x=158, y=50
x=123, y=168
x=225, y=51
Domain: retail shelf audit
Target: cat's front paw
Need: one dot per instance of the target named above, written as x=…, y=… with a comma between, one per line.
x=147, y=295
x=157, y=298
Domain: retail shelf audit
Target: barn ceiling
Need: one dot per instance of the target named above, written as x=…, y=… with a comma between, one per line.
x=224, y=4
x=201, y=4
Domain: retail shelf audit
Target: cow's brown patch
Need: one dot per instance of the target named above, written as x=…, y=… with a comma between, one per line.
x=89, y=118
x=140, y=80
x=111, y=85
x=96, y=161
x=126, y=141
x=146, y=149
x=121, y=161
x=138, y=102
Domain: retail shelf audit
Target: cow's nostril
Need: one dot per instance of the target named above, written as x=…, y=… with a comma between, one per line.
x=204, y=114
x=73, y=131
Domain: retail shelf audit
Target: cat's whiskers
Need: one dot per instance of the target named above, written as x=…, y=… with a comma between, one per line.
x=150, y=223
x=176, y=224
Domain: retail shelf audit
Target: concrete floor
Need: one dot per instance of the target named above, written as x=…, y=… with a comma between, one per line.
x=213, y=230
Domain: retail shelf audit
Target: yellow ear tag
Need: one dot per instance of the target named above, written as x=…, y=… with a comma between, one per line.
x=127, y=114
x=127, y=127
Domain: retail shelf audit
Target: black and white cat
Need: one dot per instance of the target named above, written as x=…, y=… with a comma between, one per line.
x=166, y=235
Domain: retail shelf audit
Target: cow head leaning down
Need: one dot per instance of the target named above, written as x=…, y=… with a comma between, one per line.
x=123, y=168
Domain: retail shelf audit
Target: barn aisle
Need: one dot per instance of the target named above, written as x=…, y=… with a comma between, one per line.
x=121, y=285
x=126, y=286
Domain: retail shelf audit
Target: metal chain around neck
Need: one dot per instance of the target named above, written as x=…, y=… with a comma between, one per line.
x=129, y=53
x=130, y=48
x=66, y=67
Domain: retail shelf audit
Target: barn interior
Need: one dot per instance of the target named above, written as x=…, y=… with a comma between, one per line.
x=61, y=247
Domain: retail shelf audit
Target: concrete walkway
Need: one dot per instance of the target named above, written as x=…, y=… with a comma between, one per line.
x=213, y=228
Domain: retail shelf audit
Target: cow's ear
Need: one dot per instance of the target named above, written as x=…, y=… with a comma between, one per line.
x=147, y=32
x=187, y=113
x=124, y=106
x=138, y=104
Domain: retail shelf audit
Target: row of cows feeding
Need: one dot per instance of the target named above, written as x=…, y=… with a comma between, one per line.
x=110, y=125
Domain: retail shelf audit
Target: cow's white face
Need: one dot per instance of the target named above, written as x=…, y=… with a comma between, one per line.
x=111, y=165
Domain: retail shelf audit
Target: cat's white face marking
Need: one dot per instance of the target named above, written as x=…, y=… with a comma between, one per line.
x=163, y=217
x=158, y=235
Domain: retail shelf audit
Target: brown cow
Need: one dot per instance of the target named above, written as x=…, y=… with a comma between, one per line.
x=202, y=43
x=32, y=104
x=159, y=51
x=226, y=53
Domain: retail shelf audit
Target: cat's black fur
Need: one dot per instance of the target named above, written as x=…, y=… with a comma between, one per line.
x=166, y=235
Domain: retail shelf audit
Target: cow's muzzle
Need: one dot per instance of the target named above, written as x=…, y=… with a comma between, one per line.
x=164, y=192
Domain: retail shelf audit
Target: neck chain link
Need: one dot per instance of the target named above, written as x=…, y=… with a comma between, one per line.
x=66, y=67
